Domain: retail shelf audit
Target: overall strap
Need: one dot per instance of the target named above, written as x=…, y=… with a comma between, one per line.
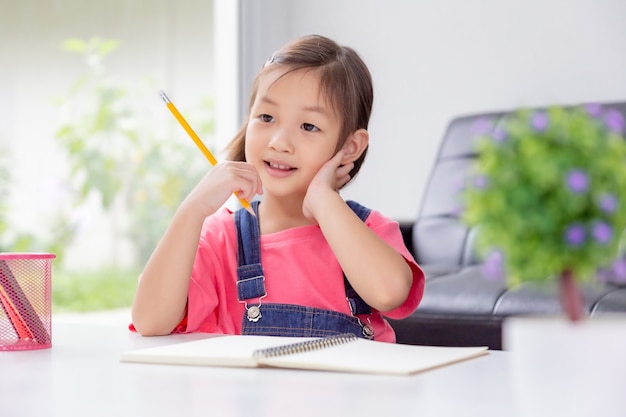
x=250, y=277
x=361, y=211
x=357, y=305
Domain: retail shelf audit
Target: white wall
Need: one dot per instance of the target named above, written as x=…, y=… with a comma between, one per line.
x=434, y=60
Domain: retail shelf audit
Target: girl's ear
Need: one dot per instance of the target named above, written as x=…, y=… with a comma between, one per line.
x=355, y=145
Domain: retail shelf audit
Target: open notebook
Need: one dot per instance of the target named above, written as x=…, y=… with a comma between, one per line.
x=342, y=353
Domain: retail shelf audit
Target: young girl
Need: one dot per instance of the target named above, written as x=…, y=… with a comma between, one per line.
x=308, y=263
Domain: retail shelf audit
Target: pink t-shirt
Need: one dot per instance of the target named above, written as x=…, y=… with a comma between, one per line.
x=299, y=267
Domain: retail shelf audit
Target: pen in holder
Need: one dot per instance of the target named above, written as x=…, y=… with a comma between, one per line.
x=25, y=301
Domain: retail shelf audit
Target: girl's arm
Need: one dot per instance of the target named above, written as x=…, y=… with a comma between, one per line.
x=376, y=271
x=161, y=297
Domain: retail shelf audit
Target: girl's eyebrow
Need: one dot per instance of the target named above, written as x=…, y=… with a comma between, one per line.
x=316, y=109
x=267, y=100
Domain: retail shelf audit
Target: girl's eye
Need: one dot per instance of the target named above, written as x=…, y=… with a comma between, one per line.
x=309, y=127
x=266, y=118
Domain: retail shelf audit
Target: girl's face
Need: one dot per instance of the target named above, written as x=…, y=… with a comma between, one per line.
x=291, y=132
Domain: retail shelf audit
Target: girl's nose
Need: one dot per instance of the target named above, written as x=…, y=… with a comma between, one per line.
x=280, y=140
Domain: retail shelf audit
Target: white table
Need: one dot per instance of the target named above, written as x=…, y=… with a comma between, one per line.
x=81, y=376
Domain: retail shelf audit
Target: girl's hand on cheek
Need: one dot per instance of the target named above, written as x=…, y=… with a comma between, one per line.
x=220, y=183
x=327, y=182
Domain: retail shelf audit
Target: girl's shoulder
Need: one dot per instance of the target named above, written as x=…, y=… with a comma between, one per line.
x=370, y=216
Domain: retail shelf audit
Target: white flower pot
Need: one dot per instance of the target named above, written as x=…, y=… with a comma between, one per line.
x=562, y=368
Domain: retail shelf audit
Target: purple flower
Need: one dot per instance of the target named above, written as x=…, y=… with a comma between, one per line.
x=499, y=134
x=482, y=126
x=481, y=182
x=492, y=267
x=539, y=121
x=457, y=210
x=593, y=109
x=602, y=232
x=614, y=121
x=608, y=203
x=575, y=235
x=619, y=270
x=577, y=181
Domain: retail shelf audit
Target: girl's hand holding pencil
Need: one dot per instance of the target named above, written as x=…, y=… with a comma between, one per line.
x=243, y=176
x=216, y=187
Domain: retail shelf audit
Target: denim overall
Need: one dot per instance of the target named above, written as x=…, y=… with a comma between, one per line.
x=276, y=319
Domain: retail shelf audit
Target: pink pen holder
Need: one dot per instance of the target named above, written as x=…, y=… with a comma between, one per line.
x=25, y=301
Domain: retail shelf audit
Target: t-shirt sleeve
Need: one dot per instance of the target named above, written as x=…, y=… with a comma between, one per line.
x=389, y=231
x=210, y=279
x=201, y=297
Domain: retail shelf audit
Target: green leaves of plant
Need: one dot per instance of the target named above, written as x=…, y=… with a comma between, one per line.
x=95, y=45
x=541, y=174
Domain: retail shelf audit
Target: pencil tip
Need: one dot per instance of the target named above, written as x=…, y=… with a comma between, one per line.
x=250, y=210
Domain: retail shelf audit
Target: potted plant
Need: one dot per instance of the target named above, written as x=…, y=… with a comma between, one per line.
x=549, y=198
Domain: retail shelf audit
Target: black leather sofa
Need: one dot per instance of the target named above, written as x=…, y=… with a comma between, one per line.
x=460, y=306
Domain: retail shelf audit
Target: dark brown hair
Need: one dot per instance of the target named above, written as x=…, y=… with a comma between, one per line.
x=345, y=81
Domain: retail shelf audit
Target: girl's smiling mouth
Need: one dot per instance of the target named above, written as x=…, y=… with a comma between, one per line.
x=278, y=169
x=279, y=166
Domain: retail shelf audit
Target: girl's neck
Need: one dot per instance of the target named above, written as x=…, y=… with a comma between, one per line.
x=276, y=215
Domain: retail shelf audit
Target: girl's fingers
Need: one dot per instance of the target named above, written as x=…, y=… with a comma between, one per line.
x=343, y=174
x=343, y=181
x=246, y=181
x=345, y=169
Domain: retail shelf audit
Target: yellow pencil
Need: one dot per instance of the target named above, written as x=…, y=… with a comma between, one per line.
x=198, y=142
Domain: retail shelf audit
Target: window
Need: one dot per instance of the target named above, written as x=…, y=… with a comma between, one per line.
x=123, y=52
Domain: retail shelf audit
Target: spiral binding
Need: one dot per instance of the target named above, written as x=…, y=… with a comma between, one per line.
x=306, y=346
